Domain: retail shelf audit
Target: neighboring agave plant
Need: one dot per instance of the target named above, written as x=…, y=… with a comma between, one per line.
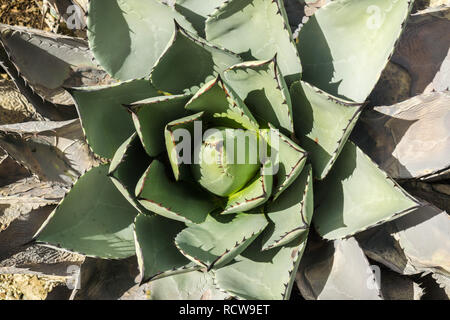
x=232, y=66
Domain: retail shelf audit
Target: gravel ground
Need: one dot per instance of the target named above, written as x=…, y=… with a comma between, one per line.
x=26, y=287
x=21, y=12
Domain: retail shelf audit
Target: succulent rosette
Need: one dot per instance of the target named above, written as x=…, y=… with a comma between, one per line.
x=195, y=78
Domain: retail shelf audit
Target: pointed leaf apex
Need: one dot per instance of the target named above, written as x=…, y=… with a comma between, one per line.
x=177, y=25
x=275, y=57
x=128, y=107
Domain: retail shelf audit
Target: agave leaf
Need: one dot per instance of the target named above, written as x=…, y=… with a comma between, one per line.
x=105, y=121
x=436, y=193
x=201, y=62
x=227, y=160
x=291, y=213
x=256, y=29
x=44, y=108
x=127, y=167
x=25, y=206
x=11, y=171
x=438, y=176
x=346, y=34
x=432, y=289
x=223, y=105
x=268, y=275
x=151, y=116
x=380, y=246
x=35, y=127
x=42, y=262
x=185, y=286
x=219, y=239
x=3, y=156
x=186, y=123
x=180, y=201
x=423, y=51
x=357, y=195
x=263, y=89
x=93, y=219
x=415, y=243
x=157, y=254
x=323, y=124
x=197, y=11
x=25, y=195
x=50, y=62
x=195, y=285
x=14, y=105
x=337, y=271
x=143, y=27
x=291, y=159
x=402, y=137
x=18, y=232
x=255, y=194
x=54, y=151
x=443, y=282
x=137, y=292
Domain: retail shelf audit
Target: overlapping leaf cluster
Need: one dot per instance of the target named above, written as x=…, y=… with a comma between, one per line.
x=228, y=64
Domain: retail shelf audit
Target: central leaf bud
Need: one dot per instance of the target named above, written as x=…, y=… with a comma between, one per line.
x=226, y=160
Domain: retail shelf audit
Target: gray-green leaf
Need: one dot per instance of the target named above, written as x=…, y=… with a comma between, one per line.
x=346, y=44
x=93, y=219
x=357, y=195
x=256, y=29
x=128, y=36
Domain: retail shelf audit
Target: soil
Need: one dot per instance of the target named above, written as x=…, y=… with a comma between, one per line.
x=21, y=12
x=27, y=287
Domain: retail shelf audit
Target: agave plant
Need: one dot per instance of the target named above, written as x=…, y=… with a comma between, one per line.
x=187, y=67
